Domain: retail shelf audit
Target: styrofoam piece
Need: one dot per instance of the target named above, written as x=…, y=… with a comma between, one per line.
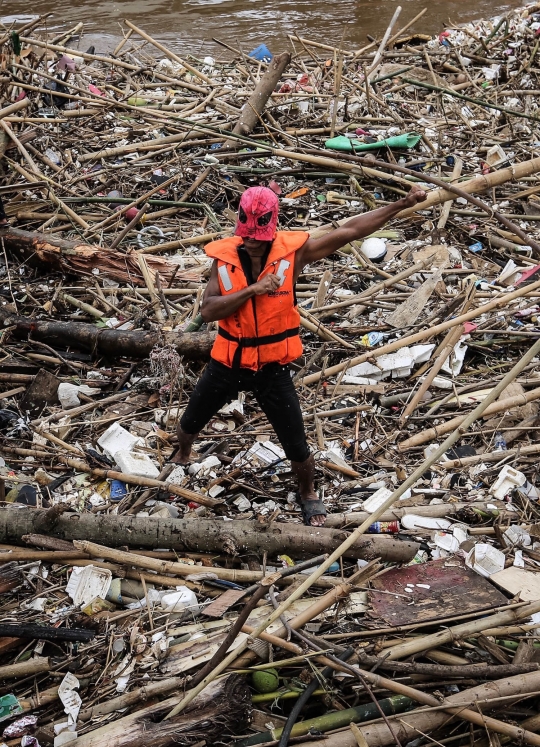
x=485, y=559
x=204, y=467
x=460, y=532
x=237, y=405
x=516, y=536
x=445, y=541
x=67, y=393
x=179, y=600
x=442, y=382
x=177, y=475
x=412, y=521
x=397, y=365
x=88, y=582
x=117, y=439
x=454, y=362
x=136, y=464
x=376, y=500
x=242, y=503
x=261, y=454
x=508, y=479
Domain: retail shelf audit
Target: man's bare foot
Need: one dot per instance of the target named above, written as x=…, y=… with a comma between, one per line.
x=184, y=455
x=4, y=223
x=305, y=473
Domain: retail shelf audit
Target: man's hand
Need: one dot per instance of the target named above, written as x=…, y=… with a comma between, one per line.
x=415, y=196
x=268, y=284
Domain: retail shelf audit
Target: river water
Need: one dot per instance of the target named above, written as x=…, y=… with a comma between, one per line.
x=189, y=25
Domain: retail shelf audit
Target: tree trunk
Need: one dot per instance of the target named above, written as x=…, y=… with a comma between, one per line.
x=201, y=535
x=254, y=107
x=223, y=708
x=134, y=343
x=77, y=258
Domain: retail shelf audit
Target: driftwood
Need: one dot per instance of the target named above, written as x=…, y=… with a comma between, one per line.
x=77, y=258
x=222, y=709
x=104, y=341
x=201, y=535
x=254, y=107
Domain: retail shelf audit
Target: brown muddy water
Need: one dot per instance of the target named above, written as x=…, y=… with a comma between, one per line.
x=190, y=24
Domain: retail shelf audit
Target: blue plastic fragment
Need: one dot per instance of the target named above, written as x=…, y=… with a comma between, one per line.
x=476, y=247
x=118, y=490
x=261, y=53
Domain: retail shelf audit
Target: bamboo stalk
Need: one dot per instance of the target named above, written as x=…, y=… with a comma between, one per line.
x=458, y=632
x=450, y=340
x=111, y=474
x=439, y=430
x=169, y=54
x=12, y=108
x=493, y=456
x=456, y=173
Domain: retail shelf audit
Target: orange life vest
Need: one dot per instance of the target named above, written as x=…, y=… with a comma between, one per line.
x=265, y=329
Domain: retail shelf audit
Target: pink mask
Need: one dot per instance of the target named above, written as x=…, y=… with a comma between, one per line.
x=258, y=214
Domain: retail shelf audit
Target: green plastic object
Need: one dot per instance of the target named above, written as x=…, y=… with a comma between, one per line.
x=9, y=706
x=409, y=140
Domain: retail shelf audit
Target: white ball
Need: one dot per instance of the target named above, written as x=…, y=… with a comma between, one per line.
x=373, y=248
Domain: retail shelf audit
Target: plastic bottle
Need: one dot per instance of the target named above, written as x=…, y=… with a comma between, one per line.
x=500, y=443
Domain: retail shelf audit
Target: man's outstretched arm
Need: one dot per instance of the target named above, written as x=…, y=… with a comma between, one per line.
x=356, y=228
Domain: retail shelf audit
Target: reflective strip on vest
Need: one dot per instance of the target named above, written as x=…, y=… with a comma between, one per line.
x=225, y=279
x=283, y=267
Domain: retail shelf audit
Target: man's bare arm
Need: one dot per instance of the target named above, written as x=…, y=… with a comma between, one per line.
x=356, y=228
x=215, y=306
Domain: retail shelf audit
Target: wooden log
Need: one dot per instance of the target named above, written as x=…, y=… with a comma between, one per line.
x=76, y=257
x=220, y=710
x=104, y=341
x=200, y=535
x=45, y=632
x=254, y=107
x=25, y=668
x=443, y=671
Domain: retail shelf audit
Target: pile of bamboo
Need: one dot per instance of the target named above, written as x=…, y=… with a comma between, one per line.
x=419, y=386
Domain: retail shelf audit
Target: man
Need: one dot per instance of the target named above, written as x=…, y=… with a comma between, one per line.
x=251, y=292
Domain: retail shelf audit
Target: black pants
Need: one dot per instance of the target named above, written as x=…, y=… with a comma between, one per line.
x=2, y=211
x=274, y=391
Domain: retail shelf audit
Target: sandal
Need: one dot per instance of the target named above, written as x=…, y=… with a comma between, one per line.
x=310, y=509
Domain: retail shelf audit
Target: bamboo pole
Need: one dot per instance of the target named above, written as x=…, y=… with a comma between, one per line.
x=448, y=345
x=351, y=539
x=480, y=183
x=147, y=482
x=427, y=642
x=417, y=267
x=493, y=456
x=169, y=54
x=379, y=53
x=429, y=332
x=504, y=404
x=12, y=108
